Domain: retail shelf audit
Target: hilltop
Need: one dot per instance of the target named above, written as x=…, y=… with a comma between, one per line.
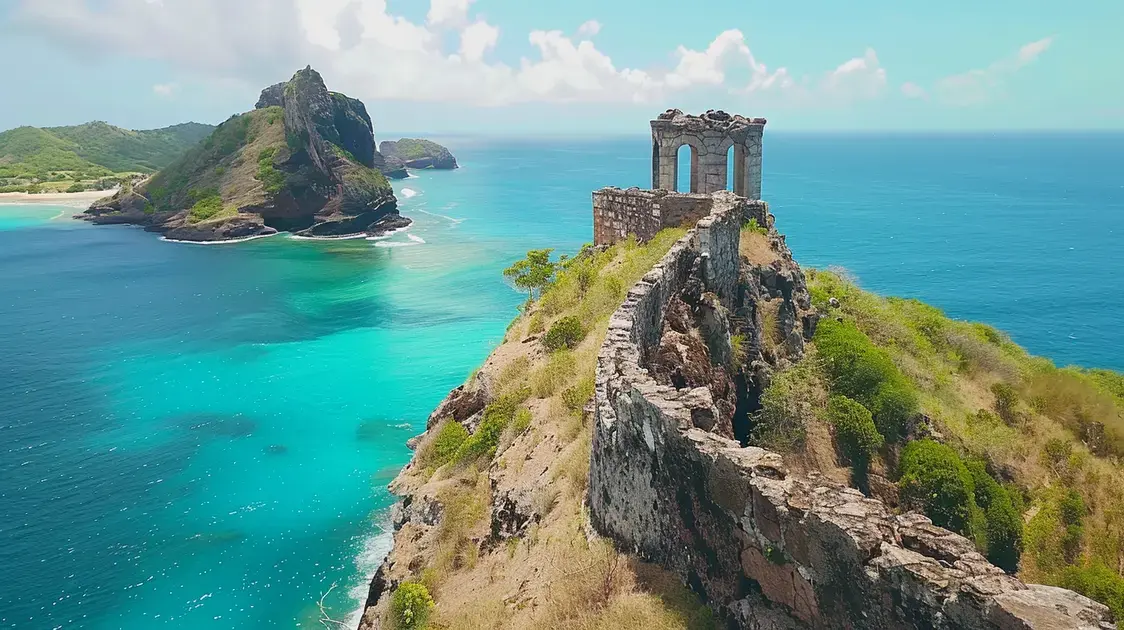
x=76, y=158
x=303, y=160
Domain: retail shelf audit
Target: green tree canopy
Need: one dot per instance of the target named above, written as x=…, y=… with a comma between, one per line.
x=533, y=273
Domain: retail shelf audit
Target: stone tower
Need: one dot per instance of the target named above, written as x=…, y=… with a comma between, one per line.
x=710, y=137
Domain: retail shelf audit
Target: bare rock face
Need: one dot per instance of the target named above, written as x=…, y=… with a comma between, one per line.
x=303, y=161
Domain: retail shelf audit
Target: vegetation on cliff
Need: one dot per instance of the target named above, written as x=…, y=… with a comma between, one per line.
x=1015, y=453
x=418, y=153
x=510, y=549
x=303, y=160
x=89, y=156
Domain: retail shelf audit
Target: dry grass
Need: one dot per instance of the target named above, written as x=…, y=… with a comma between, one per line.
x=553, y=576
x=756, y=248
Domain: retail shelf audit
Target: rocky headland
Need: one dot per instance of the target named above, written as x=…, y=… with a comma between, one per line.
x=303, y=161
x=685, y=429
x=416, y=153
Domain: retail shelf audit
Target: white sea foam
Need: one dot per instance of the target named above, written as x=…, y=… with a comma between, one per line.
x=453, y=220
x=409, y=192
x=395, y=244
x=410, y=175
x=415, y=238
x=389, y=234
x=226, y=242
x=345, y=237
x=371, y=554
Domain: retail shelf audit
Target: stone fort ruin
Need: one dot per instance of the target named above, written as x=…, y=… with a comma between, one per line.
x=671, y=480
x=618, y=213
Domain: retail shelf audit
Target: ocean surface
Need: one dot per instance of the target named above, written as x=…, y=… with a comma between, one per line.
x=200, y=436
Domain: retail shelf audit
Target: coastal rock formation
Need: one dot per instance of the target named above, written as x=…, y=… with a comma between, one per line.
x=303, y=161
x=764, y=548
x=419, y=154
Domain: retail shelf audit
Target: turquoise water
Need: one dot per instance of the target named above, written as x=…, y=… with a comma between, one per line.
x=200, y=436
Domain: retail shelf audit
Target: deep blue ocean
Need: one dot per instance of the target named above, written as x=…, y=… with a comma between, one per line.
x=200, y=436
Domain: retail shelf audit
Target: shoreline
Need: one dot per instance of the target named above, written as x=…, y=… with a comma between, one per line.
x=74, y=200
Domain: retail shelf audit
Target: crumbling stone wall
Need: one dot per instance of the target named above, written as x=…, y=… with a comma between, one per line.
x=618, y=213
x=710, y=137
x=765, y=549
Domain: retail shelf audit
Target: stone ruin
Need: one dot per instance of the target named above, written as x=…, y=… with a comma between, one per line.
x=618, y=213
x=765, y=549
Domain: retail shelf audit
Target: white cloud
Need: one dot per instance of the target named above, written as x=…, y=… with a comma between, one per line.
x=478, y=38
x=165, y=89
x=981, y=85
x=589, y=29
x=365, y=50
x=860, y=78
x=912, y=90
x=450, y=13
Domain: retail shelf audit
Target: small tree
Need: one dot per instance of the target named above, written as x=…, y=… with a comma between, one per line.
x=410, y=606
x=533, y=273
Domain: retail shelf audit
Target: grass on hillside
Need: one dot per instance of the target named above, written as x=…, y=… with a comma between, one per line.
x=63, y=158
x=1041, y=444
x=560, y=579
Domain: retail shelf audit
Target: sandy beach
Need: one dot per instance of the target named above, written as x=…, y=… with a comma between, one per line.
x=76, y=200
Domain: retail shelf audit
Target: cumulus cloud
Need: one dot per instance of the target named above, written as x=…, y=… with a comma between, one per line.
x=589, y=29
x=364, y=49
x=912, y=90
x=981, y=85
x=165, y=89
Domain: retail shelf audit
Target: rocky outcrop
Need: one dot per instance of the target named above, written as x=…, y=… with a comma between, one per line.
x=303, y=161
x=419, y=154
x=766, y=549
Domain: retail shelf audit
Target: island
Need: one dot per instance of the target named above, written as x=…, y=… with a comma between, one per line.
x=303, y=161
x=416, y=153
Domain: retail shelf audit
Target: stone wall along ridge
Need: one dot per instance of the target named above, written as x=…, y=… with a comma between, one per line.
x=765, y=549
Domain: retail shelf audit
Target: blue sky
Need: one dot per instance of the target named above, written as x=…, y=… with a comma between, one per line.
x=580, y=66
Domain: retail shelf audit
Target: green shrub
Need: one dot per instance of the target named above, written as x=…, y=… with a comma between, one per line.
x=754, y=227
x=577, y=396
x=858, y=438
x=893, y=405
x=567, y=332
x=522, y=421
x=207, y=207
x=410, y=606
x=1006, y=402
x=76, y=188
x=482, y=444
x=788, y=405
x=445, y=445
x=865, y=373
x=935, y=480
x=273, y=180
x=1099, y=583
x=1002, y=518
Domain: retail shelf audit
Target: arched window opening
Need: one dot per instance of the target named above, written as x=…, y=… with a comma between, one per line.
x=685, y=169
x=731, y=171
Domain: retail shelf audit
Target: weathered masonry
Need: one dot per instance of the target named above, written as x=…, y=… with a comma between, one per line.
x=764, y=548
x=618, y=213
x=710, y=137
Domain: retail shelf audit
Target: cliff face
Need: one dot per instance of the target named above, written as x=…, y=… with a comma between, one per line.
x=419, y=154
x=304, y=161
x=656, y=463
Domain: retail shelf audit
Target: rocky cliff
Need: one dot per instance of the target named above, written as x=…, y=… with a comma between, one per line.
x=303, y=161
x=418, y=154
x=648, y=450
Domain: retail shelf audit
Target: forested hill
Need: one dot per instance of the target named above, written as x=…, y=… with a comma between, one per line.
x=41, y=156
